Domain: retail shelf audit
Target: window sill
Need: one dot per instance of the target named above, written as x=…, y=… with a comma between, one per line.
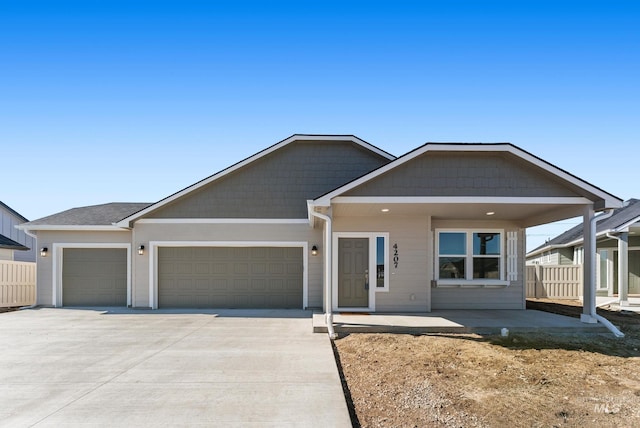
x=476, y=283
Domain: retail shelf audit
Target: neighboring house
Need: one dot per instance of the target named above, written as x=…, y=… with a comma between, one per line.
x=15, y=245
x=617, y=234
x=320, y=222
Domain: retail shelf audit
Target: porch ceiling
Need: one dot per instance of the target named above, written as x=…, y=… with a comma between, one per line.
x=524, y=214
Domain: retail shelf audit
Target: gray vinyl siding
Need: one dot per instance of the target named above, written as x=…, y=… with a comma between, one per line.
x=565, y=256
x=509, y=297
x=464, y=174
x=144, y=233
x=6, y=254
x=8, y=223
x=408, y=282
x=278, y=184
x=613, y=243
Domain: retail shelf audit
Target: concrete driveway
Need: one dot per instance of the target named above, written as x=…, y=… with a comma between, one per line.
x=70, y=367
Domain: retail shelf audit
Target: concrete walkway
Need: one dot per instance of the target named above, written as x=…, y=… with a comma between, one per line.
x=456, y=321
x=65, y=367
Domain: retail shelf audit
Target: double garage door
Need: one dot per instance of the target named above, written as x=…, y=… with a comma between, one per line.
x=230, y=277
x=193, y=277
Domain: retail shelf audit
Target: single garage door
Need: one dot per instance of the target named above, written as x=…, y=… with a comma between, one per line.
x=94, y=277
x=224, y=277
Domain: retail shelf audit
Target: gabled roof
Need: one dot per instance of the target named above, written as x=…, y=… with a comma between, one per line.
x=94, y=217
x=125, y=221
x=12, y=211
x=609, y=200
x=620, y=220
x=10, y=244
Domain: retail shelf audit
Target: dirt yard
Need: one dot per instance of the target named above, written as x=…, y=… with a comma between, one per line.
x=539, y=380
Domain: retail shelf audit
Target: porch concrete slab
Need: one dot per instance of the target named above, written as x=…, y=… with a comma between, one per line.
x=121, y=367
x=455, y=321
x=614, y=303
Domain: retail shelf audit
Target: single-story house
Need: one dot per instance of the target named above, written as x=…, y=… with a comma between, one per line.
x=616, y=235
x=15, y=245
x=320, y=221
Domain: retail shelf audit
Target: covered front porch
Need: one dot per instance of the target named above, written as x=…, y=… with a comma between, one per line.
x=455, y=321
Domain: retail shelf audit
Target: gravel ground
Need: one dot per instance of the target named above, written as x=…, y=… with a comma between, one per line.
x=467, y=380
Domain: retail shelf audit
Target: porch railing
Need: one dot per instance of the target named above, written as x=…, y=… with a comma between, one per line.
x=554, y=281
x=17, y=283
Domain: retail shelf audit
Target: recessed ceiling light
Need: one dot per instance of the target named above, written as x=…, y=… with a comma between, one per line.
x=490, y=213
x=385, y=210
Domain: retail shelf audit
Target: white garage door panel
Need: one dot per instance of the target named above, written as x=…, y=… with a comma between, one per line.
x=225, y=277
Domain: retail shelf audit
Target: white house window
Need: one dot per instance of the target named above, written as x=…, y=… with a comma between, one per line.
x=470, y=256
x=452, y=255
x=381, y=261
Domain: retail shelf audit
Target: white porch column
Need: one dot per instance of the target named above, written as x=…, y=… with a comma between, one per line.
x=589, y=271
x=623, y=268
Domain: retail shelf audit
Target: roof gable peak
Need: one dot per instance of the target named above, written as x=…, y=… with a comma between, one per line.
x=125, y=222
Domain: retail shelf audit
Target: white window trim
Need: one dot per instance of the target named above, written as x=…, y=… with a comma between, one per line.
x=611, y=267
x=471, y=283
x=57, y=262
x=372, y=268
x=387, y=258
x=608, y=260
x=153, y=257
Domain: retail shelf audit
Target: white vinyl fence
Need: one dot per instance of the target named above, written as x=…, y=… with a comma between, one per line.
x=17, y=283
x=554, y=281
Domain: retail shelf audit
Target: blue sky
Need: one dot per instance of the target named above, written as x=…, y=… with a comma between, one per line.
x=106, y=101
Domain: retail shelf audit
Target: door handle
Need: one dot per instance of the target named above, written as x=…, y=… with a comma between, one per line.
x=366, y=279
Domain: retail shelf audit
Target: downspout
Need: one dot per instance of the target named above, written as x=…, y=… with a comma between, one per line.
x=328, y=273
x=592, y=276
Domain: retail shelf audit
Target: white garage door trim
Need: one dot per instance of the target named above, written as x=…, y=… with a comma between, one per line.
x=153, y=255
x=57, y=255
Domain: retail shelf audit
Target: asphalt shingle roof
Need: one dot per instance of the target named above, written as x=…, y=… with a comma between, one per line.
x=621, y=216
x=94, y=215
x=10, y=244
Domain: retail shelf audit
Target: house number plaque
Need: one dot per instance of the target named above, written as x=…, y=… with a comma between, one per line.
x=396, y=258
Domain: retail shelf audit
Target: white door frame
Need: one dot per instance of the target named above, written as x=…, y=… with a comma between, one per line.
x=372, y=267
x=153, y=257
x=58, y=259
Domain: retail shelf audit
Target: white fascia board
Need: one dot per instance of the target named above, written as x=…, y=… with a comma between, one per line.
x=312, y=206
x=88, y=228
x=237, y=244
x=625, y=226
x=222, y=221
x=610, y=200
x=459, y=200
x=125, y=222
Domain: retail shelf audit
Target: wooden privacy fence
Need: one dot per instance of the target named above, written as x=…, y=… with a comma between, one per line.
x=17, y=283
x=554, y=281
